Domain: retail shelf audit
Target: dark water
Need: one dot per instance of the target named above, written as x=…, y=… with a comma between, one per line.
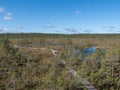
x=87, y=51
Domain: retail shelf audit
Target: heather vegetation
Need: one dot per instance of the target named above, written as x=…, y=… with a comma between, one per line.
x=56, y=62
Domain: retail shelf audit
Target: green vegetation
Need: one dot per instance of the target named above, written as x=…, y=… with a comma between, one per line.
x=27, y=63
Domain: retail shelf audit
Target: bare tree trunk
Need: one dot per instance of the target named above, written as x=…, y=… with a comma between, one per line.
x=14, y=78
x=14, y=83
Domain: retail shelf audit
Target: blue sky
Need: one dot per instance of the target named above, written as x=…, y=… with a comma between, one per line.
x=60, y=16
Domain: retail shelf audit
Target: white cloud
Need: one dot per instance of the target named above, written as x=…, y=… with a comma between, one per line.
x=110, y=28
x=20, y=27
x=72, y=30
x=8, y=18
x=77, y=12
x=2, y=9
x=57, y=31
x=117, y=31
x=88, y=31
x=3, y=29
x=48, y=25
x=80, y=29
x=9, y=14
x=53, y=17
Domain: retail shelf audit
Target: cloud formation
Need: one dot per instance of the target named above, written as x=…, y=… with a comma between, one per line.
x=48, y=25
x=53, y=17
x=110, y=28
x=87, y=31
x=57, y=31
x=9, y=14
x=80, y=29
x=71, y=30
x=3, y=29
x=8, y=18
x=20, y=27
x=77, y=12
x=117, y=31
x=2, y=10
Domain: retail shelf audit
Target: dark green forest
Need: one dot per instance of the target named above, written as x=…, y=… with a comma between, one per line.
x=37, y=61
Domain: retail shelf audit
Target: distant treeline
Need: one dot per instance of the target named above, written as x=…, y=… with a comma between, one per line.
x=38, y=35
